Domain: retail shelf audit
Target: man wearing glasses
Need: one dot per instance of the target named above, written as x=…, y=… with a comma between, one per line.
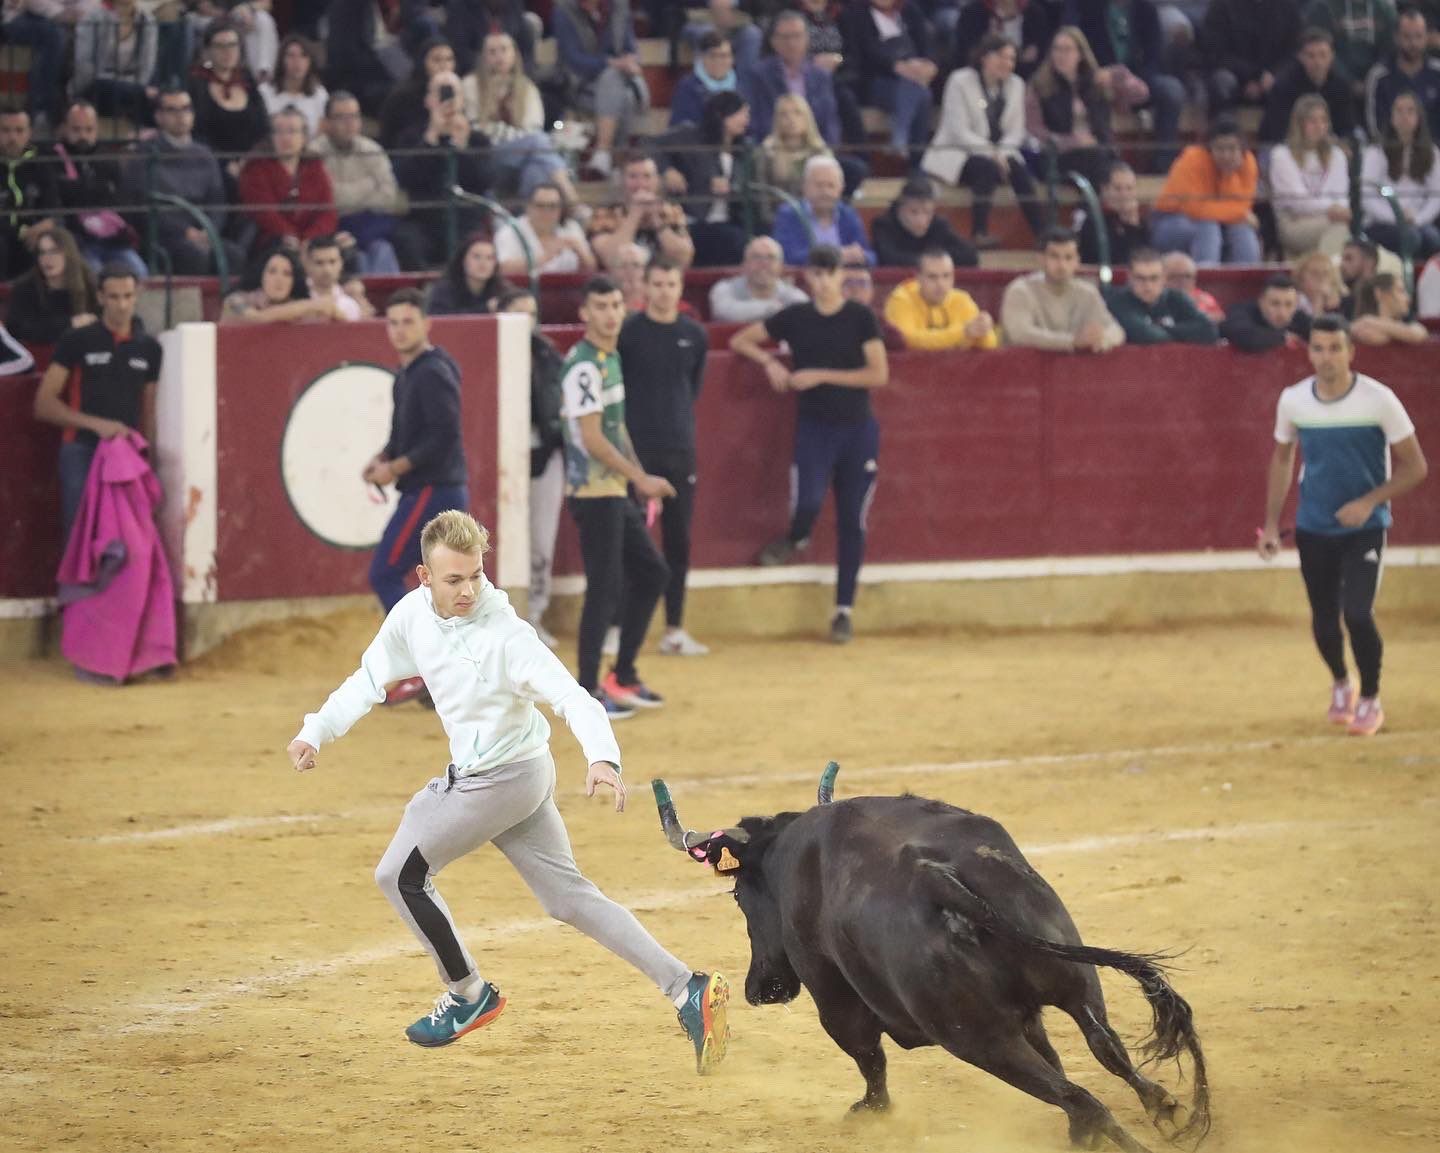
x=554, y=242
x=173, y=161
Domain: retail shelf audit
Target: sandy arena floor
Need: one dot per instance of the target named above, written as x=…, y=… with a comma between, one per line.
x=195, y=956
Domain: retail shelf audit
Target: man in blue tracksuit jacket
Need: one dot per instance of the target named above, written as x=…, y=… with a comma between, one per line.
x=425, y=455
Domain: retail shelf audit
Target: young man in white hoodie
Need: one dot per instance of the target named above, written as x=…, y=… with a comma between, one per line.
x=485, y=669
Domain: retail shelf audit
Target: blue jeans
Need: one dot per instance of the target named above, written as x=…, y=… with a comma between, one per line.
x=46, y=41
x=376, y=259
x=99, y=253
x=909, y=107
x=531, y=159
x=75, y=458
x=1205, y=240
x=845, y=456
x=399, y=549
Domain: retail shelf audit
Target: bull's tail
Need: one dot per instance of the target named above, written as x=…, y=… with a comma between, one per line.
x=1173, y=1027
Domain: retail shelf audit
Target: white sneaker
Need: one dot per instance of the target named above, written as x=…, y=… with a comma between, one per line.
x=547, y=638
x=679, y=643
x=611, y=646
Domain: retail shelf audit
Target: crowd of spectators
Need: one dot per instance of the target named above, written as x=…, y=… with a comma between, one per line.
x=385, y=132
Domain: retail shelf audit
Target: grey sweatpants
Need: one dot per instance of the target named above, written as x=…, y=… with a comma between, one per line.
x=514, y=806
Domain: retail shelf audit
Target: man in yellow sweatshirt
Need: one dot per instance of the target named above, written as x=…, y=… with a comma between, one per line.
x=930, y=313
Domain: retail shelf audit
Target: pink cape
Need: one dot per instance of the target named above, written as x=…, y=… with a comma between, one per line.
x=116, y=593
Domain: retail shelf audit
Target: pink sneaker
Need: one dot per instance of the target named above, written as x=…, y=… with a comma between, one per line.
x=1369, y=716
x=1342, y=703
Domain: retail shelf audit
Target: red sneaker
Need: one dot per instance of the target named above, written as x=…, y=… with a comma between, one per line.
x=632, y=696
x=406, y=690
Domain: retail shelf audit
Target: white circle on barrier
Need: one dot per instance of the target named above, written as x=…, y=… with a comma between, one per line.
x=335, y=426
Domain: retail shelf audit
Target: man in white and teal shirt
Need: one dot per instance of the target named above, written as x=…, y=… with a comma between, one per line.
x=622, y=565
x=1348, y=427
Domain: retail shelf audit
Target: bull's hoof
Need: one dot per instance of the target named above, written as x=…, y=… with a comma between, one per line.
x=1170, y=1117
x=876, y=1104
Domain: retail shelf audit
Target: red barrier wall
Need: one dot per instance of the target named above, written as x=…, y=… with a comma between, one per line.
x=1021, y=454
x=983, y=455
x=263, y=550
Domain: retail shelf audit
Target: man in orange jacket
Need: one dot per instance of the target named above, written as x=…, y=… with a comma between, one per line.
x=1207, y=207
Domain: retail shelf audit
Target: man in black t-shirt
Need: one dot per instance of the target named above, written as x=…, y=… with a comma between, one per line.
x=839, y=356
x=113, y=392
x=662, y=353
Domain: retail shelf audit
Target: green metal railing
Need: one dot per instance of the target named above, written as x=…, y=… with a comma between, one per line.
x=784, y=197
x=460, y=196
x=1408, y=237
x=1095, y=212
x=159, y=258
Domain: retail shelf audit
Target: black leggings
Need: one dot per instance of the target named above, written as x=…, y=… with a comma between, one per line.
x=620, y=562
x=1342, y=575
x=982, y=176
x=675, y=516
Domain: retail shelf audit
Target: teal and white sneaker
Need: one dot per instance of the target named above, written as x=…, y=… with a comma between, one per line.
x=452, y=1017
x=705, y=1019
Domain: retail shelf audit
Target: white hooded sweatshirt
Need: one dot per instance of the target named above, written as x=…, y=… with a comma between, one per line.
x=485, y=671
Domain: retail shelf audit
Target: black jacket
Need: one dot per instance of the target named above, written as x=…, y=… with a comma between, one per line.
x=546, y=400
x=426, y=424
x=423, y=175
x=96, y=183
x=1147, y=42
x=684, y=150
x=1124, y=238
x=1249, y=37
x=1247, y=329
x=877, y=58
x=977, y=19
x=26, y=184
x=898, y=247
x=39, y=316
x=1058, y=110
x=1293, y=82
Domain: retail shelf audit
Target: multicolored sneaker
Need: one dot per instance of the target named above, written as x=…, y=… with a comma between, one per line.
x=452, y=1018
x=1342, y=703
x=1369, y=716
x=634, y=695
x=407, y=690
x=705, y=1019
x=614, y=710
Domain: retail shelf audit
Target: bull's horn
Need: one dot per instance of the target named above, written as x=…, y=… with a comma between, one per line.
x=676, y=833
x=678, y=836
x=826, y=792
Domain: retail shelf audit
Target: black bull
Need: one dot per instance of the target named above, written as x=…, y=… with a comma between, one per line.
x=911, y=917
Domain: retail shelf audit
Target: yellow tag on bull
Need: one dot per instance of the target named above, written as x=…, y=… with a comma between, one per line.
x=727, y=862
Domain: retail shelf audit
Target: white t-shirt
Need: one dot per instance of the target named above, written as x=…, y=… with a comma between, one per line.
x=311, y=107
x=1427, y=290
x=345, y=304
x=508, y=246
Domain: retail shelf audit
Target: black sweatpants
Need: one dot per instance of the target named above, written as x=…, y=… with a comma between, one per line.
x=621, y=561
x=1342, y=576
x=676, y=514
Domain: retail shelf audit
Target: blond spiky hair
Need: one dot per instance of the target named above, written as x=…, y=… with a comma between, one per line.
x=456, y=530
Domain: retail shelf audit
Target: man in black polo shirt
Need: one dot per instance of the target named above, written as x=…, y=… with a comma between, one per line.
x=113, y=391
x=662, y=354
x=839, y=356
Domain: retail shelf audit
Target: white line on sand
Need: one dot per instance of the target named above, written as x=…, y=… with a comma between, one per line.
x=740, y=780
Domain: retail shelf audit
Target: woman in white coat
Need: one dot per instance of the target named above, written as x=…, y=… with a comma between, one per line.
x=982, y=129
x=1310, y=184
